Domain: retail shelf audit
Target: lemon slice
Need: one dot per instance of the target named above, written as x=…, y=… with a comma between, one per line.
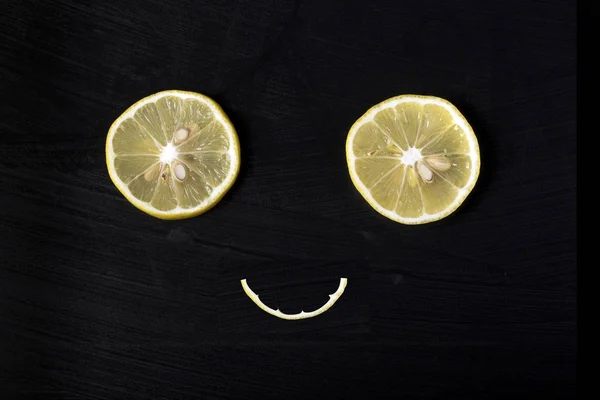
x=413, y=158
x=301, y=315
x=173, y=154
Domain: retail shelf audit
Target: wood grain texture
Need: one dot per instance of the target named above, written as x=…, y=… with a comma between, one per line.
x=100, y=301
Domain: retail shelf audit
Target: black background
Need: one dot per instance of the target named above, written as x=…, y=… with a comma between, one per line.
x=100, y=301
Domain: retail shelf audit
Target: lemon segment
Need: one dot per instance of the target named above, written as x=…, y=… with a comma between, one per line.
x=413, y=158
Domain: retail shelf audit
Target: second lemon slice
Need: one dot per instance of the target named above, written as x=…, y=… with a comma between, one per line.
x=173, y=154
x=413, y=158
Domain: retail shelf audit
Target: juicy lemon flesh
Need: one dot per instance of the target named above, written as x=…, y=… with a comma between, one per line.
x=415, y=161
x=172, y=155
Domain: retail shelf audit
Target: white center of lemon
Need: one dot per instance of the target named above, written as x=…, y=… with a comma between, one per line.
x=168, y=153
x=411, y=156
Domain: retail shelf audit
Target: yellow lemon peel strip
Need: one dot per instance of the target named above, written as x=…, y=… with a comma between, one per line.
x=302, y=315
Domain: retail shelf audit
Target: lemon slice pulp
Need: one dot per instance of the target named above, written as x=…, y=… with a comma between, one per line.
x=414, y=158
x=173, y=154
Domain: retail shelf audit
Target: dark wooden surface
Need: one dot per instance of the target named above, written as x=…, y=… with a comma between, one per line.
x=100, y=301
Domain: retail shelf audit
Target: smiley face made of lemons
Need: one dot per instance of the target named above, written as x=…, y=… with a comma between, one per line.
x=175, y=154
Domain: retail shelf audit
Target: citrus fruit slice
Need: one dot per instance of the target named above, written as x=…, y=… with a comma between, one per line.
x=302, y=315
x=414, y=158
x=173, y=154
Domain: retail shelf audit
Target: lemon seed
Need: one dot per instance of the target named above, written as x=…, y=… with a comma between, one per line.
x=181, y=135
x=424, y=171
x=179, y=171
x=439, y=162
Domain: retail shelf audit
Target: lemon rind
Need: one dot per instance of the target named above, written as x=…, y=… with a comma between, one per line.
x=301, y=315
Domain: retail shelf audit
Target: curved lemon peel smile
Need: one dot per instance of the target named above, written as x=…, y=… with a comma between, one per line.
x=302, y=315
